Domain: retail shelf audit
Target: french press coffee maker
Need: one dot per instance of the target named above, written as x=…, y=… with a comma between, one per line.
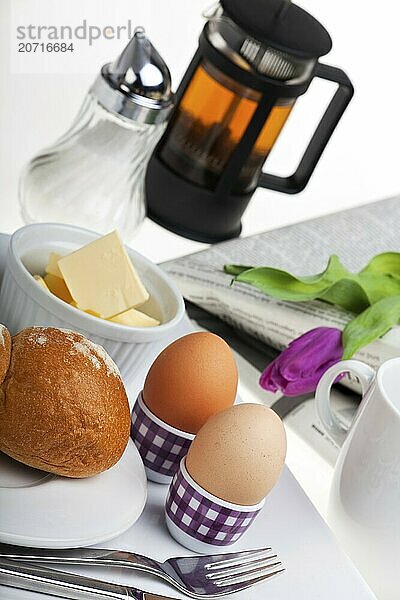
x=254, y=59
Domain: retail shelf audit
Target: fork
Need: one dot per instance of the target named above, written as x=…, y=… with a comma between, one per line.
x=200, y=577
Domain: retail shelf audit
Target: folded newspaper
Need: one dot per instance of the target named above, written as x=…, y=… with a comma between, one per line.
x=355, y=235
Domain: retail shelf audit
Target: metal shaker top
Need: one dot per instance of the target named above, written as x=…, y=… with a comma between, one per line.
x=137, y=85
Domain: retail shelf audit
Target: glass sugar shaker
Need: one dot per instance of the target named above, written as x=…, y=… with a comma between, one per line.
x=94, y=175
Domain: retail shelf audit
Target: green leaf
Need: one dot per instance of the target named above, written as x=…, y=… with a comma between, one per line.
x=334, y=271
x=235, y=269
x=281, y=284
x=349, y=294
x=336, y=285
x=370, y=325
x=378, y=285
x=285, y=286
x=386, y=263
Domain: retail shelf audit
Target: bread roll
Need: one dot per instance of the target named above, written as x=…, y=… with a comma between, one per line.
x=5, y=351
x=63, y=406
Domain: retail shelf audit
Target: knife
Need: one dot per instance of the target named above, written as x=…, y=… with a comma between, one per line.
x=66, y=585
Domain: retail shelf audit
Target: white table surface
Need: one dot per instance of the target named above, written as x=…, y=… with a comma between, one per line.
x=315, y=568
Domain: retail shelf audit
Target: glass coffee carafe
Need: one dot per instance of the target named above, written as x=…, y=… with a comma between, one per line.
x=212, y=118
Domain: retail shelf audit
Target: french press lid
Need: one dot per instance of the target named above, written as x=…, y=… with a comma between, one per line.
x=280, y=24
x=137, y=85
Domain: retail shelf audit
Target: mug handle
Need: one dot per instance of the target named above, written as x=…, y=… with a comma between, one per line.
x=333, y=426
x=297, y=182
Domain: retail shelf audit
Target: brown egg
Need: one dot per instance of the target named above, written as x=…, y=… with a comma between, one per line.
x=193, y=379
x=238, y=454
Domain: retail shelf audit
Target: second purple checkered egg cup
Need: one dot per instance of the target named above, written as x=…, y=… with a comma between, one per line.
x=199, y=520
x=160, y=445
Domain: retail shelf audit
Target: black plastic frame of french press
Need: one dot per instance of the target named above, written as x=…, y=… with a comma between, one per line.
x=215, y=215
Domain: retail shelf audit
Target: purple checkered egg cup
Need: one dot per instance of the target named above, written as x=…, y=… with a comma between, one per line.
x=160, y=445
x=199, y=520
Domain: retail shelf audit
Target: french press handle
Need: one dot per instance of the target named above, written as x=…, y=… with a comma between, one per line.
x=298, y=180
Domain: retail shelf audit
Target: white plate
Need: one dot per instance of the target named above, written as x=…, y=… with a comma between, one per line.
x=38, y=509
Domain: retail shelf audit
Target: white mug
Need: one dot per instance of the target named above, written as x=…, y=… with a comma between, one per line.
x=364, y=505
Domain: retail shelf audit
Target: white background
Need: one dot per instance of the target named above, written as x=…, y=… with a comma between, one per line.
x=360, y=164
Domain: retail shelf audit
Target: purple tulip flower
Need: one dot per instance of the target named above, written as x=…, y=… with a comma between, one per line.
x=298, y=369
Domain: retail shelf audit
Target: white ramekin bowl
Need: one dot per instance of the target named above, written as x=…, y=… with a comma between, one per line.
x=24, y=303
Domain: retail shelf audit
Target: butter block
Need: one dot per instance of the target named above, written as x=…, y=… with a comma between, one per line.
x=94, y=314
x=135, y=318
x=41, y=282
x=57, y=287
x=89, y=312
x=101, y=277
x=52, y=265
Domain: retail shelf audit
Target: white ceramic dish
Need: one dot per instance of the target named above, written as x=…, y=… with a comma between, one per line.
x=24, y=303
x=39, y=509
